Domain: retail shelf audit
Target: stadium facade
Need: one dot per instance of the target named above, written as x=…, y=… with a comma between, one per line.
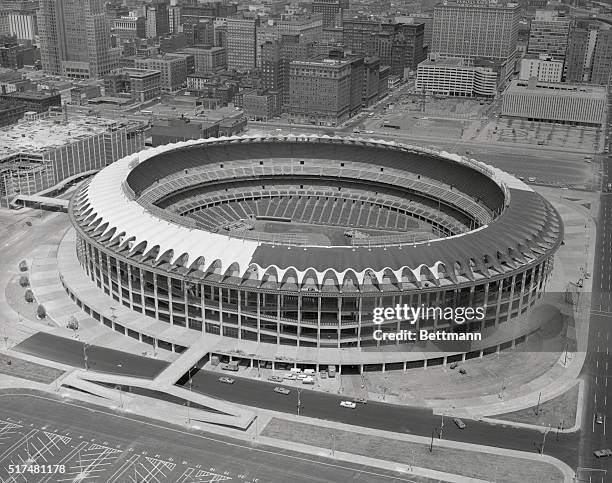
x=282, y=247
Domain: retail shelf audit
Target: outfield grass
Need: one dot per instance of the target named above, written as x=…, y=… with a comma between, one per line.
x=491, y=467
x=561, y=409
x=28, y=370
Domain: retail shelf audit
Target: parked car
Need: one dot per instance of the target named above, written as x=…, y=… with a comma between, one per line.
x=361, y=400
x=531, y=179
x=275, y=379
x=308, y=380
x=462, y=371
x=460, y=424
x=454, y=365
x=290, y=377
x=602, y=453
x=599, y=418
x=282, y=390
x=323, y=374
x=348, y=404
x=227, y=380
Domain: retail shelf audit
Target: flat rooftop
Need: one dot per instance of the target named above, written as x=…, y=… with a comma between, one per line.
x=557, y=89
x=43, y=134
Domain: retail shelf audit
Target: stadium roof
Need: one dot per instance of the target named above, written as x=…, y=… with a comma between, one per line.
x=528, y=229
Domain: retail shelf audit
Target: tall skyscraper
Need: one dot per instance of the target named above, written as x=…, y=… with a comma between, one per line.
x=589, y=52
x=75, y=38
x=548, y=34
x=602, y=58
x=158, y=20
x=241, y=41
x=470, y=30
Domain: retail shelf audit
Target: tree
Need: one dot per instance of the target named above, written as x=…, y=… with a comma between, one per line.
x=29, y=296
x=41, y=312
x=23, y=266
x=24, y=281
x=73, y=323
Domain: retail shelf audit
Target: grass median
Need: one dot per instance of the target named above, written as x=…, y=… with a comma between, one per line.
x=559, y=412
x=28, y=370
x=461, y=462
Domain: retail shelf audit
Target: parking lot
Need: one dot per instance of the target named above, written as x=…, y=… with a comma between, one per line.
x=52, y=454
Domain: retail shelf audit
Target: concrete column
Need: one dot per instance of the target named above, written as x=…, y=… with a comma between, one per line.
x=239, y=299
x=259, y=317
x=156, y=295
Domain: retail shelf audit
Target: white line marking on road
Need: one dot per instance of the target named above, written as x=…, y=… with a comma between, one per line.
x=216, y=440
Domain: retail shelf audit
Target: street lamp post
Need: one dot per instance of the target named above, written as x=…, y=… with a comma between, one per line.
x=299, y=401
x=85, y=358
x=433, y=432
x=544, y=440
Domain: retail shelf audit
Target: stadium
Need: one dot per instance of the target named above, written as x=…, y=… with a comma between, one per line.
x=276, y=250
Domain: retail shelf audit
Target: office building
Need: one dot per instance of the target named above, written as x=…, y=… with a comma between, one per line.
x=557, y=103
x=371, y=68
x=477, y=30
x=15, y=56
x=174, y=19
x=241, y=41
x=543, y=67
x=397, y=44
x=128, y=29
x=139, y=85
x=548, y=34
x=320, y=91
x=331, y=10
x=602, y=58
x=36, y=101
x=157, y=20
x=173, y=70
x=75, y=38
x=276, y=57
x=309, y=27
x=10, y=113
x=261, y=106
x=207, y=59
x=199, y=32
x=456, y=77
x=23, y=24
x=589, y=52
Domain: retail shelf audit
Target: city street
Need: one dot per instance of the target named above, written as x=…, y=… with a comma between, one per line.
x=597, y=370
x=96, y=445
x=402, y=419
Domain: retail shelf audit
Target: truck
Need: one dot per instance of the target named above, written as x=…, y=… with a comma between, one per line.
x=230, y=366
x=331, y=370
